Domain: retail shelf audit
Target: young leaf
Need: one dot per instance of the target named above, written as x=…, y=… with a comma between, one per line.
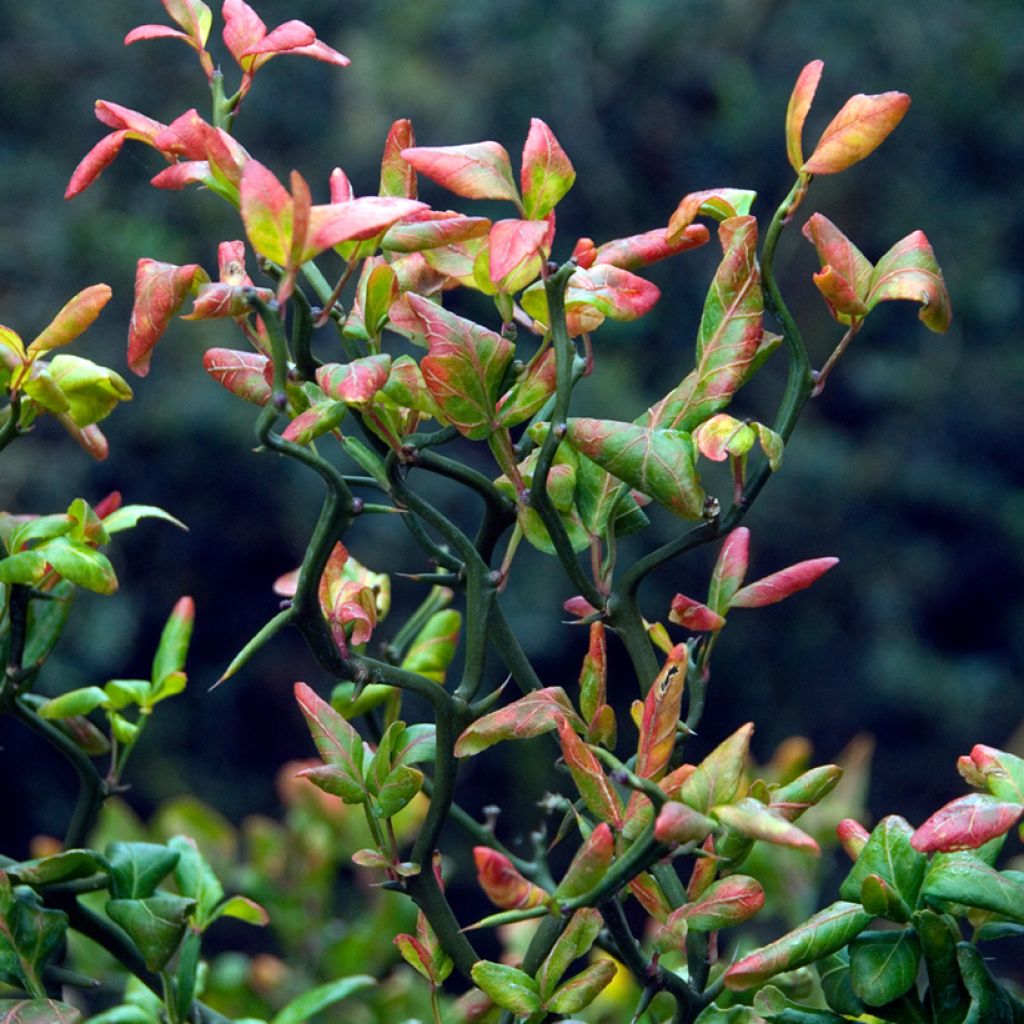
x=72, y=320
x=753, y=819
x=717, y=778
x=174, y=641
x=1000, y=773
x=796, y=113
x=966, y=823
x=547, y=175
x=92, y=392
x=242, y=373
x=583, y=989
x=723, y=904
x=717, y=203
x=730, y=570
x=660, y=463
x=693, y=615
x=589, y=865
x=75, y=702
x=730, y=333
x=845, y=275
x=481, y=170
x=354, y=383
x=156, y=925
x=515, y=250
x=39, y=1011
x=780, y=585
x=909, y=271
x=589, y=777
x=888, y=853
x=339, y=745
x=677, y=823
x=856, y=131
x=504, y=885
x=637, y=251
x=397, y=177
x=303, y=1008
x=160, y=290
x=465, y=366
x=575, y=941
x=532, y=715
x=508, y=987
x=821, y=934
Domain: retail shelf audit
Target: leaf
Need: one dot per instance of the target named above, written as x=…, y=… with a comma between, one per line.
x=947, y=996
x=693, y=615
x=966, y=823
x=677, y=823
x=723, y=904
x=196, y=880
x=965, y=878
x=95, y=162
x=730, y=570
x=58, y=867
x=731, y=331
x=775, y=1008
x=434, y=647
x=339, y=745
x=430, y=229
x=397, y=790
x=598, y=795
x=75, y=318
x=531, y=715
x=242, y=373
x=302, y=1009
x=508, y=987
x=883, y=965
x=241, y=908
x=156, y=925
x=136, y=869
x=464, y=368
x=501, y=881
x=751, y=818
x=160, y=290
x=92, y=391
x=515, y=251
x=637, y=251
x=845, y=277
x=30, y=935
x=481, y=170
x=660, y=463
x=856, y=131
x=717, y=203
x=128, y=517
x=990, y=1003
x=589, y=865
x=354, y=220
x=909, y=271
x=805, y=791
x=717, y=778
x=38, y=1011
x=999, y=772
x=75, y=702
x=888, y=854
x=796, y=113
x=575, y=941
x=821, y=934
x=546, y=175
x=780, y=585
x=723, y=436
x=354, y=383
x=268, y=212
x=584, y=988
x=79, y=564
x=397, y=177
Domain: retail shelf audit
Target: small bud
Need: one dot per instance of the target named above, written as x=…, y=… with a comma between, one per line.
x=853, y=837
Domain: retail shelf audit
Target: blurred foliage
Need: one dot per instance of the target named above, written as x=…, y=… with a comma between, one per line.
x=907, y=467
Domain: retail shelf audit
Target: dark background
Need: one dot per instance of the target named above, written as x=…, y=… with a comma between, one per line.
x=908, y=467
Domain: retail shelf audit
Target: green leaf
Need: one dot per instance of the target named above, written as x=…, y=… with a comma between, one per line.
x=660, y=463
x=990, y=1003
x=75, y=702
x=434, y=647
x=155, y=924
x=174, y=640
x=126, y=692
x=753, y=819
x=397, y=790
x=837, y=985
x=92, y=391
x=30, y=936
x=508, y=987
x=883, y=965
x=339, y=745
x=136, y=869
x=241, y=908
x=38, y=1011
x=725, y=903
x=717, y=778
x=966, y=879
x=546, y=173
x=729, y=337
x=589, y=865
x=574, y=942
x=947, y=996
x=46, y=622
x=44, y=390
x=80, y=564
x=24, y=567
x=821, y=934
x=302, y=1009
x=774, y=1007
x=39, y=528
x=128, y=516
x=60, y=867
x=889, y=855
x=196, y=880
x=583, y=989
x=730, y=1015
x=464, y=368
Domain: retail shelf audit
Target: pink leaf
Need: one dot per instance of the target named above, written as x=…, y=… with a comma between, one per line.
x=780, y=585
x=504, y=885
x=74, y=319
x=356, y=220
x=95, y=162
x=598, y=795
x=846, y=273
x=546, y=175
x=429, y=229
x=853, y=837
x=341, y=187
x=909, y=271
x=242, y=373
x=320, y=51
x=513, y=243
x=398, y=178
x=215, y=301
x=141, y=127
x=718, y=203
x=354, y=383
x=160, y=289
x=186, y=136
x=157, y=32
x=857, y=130
x=724, y=904
x=640, y=250
x=966, y=823
x=677, y=823
x=693, y=615
x=532, y=715
x=480, y=170
x=796, y=113
x=243, y=28
x=730, y=569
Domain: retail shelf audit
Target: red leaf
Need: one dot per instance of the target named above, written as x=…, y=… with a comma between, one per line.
x=141, y=127
x=289, y=35
x=341, y=187
x=780, y=585
x=429, y=229
x=513, y=244
x=355, y=220
x=214, y=301
x=186, y=136
x=243, y=28
x=718, y=203
x=532, y=715
x=853, y=837
x=693, y=615
x=504, y=885
x=589, y=777
x=857, y=130
x=231, y=262
x=966, y=823
x=661, y=716
x=546, y=173
x=730, y=569
x=909, y=271
x=397, y=177
x=640, y=250
x=157, y=32
x=480, y=170
x=846, y=273
x=160, y=289
x=796, y=113
x=354, y=383
x=95, y=162
x=242, y=373
x=180, y=175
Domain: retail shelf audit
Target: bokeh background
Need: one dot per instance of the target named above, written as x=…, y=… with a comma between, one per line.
x=908, y=468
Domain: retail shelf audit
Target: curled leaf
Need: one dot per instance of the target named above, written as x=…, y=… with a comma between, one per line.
x=160, y=290
x=796, y=113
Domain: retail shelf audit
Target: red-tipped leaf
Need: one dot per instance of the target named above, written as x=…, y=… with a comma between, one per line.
x=532, y=715
x=504, y=885
x=242, y=373
x=75, y=318
x=694, y=616
x=724, y=904
x=909, y=270
x=397, y=176
x=587, y=773
x=546, y=173
x=966, y=823
x=637, y=251
x=481, y=170
x=160, y=290
x=856, y=131
x=796, y=113
x=780, y=585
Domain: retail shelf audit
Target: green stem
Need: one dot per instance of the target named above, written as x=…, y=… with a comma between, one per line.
x=625, y=618
x=302, y=337
x=9, y=429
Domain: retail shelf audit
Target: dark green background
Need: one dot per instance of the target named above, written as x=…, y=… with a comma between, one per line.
x=908, y=467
